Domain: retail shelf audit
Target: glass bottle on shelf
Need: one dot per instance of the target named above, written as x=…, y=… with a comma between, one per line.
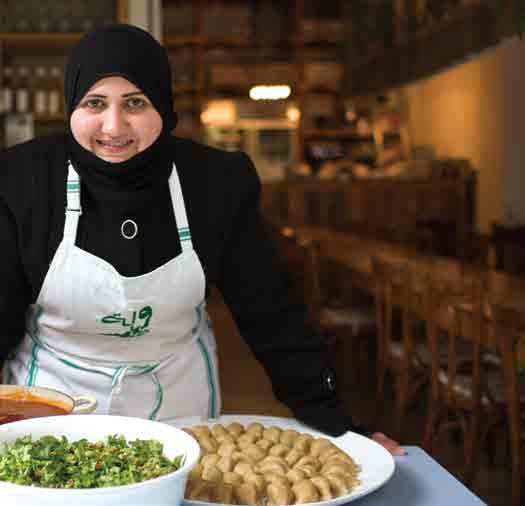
x=7, y=98
x=54, y=92
x=22, y=90
x=40, y=96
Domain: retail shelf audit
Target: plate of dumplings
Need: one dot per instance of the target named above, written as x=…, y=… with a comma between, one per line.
x=269, y=461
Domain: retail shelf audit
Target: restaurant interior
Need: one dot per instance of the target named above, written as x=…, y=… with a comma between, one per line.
x=387, y=135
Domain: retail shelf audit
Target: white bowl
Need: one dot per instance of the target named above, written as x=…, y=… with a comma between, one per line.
x=167, y=490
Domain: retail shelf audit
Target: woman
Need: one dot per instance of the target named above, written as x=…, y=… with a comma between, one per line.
x=114, y=288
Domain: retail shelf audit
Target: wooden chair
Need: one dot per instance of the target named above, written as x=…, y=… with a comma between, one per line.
x=338, y=323
x=394, y=280
x=509, y=325
x=463, y=390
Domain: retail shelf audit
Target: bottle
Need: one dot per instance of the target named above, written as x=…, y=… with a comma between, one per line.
x=7, y=91
x=22, y=90
x=54, y=97
x=40, y=96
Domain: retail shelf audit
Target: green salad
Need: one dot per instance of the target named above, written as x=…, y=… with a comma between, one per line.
x=58, y=463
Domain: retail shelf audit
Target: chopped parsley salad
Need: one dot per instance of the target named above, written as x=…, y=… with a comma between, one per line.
x=55, y=462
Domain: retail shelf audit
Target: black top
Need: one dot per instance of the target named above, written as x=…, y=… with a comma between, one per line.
x=221, y=192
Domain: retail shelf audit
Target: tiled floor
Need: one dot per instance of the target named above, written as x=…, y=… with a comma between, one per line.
x=246, y=390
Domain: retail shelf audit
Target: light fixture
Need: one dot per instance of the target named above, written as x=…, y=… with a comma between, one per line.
x=219, y=112
x=293, y=113
x=270, y=92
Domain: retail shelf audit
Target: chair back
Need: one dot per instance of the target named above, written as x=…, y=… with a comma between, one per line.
x=457, y=308
x=391, y=280
x=509, y=324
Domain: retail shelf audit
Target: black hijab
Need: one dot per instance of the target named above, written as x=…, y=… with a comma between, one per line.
x=132, y=53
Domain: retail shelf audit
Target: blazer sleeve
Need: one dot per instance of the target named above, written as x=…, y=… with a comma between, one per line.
x=15, y=293
x=257, y=291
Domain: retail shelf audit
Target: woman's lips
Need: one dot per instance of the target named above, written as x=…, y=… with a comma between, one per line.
x=114, y=146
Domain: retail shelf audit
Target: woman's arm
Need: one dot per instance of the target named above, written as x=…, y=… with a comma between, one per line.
x=14, y=290
x=257, y=291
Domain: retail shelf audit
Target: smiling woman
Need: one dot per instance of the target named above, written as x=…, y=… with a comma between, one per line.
x=115, y=120
x=114, y=234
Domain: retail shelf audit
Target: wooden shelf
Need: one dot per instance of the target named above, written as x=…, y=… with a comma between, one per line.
x=181, y=89
x=171, y=42
x=40, y=39
x=48, y=118
x=335, y=133
x=210, y=42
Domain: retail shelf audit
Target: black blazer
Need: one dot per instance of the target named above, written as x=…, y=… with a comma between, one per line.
x=221, y=192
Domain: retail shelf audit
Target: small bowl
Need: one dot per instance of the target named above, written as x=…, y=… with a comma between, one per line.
x=167, y=490
x=82, y=404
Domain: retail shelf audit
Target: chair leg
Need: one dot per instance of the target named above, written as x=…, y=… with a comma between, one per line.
x=431, y=420
x=381, y=376
x=401, y=403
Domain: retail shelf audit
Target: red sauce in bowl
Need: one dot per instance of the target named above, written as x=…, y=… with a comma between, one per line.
x=13, y=409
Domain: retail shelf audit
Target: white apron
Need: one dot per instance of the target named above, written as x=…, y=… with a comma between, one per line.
x=142, y=345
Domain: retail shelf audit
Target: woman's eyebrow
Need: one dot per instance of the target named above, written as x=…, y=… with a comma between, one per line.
x=125, y=95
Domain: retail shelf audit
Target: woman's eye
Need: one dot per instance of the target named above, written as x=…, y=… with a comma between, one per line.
x=136, y=103
x=93, y=104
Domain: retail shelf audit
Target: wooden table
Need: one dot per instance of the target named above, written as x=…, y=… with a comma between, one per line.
x=354, y=254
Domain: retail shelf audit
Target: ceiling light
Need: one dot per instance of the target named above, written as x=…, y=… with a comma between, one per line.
x=273, y=92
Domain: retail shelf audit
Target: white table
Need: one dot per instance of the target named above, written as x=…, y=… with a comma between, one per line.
x=420, y=481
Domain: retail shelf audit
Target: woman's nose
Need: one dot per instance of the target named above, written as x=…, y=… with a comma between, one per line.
x=114, y=121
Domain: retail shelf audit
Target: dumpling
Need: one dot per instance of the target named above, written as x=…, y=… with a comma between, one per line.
x=304, y=492
x=288, y=437
x=232, y=478
x=235, y=429
x=277, y=478
x=257, y=479
x=264, y=444
x=307, y=460
x=318, y=445
x=219, y=430
x=246, y=493
x=225, y=464
x=201, y=491
x=296, y=475
x=303, y=442
x=200, y=430
x=323, y=487
x=293, y=457
x=245, y=440
x=255, y=452
x=207, y=444
x=338, y=484
x=210, y=459
x=243, y=468
x=211, y=473
x=279, y=494
x=272, y=434
x=226, y=449
x=279, y=450
x=224, y=493
x=256, y=429
x=272, y=466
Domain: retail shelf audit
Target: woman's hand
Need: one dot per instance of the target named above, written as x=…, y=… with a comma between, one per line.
x=391, y=445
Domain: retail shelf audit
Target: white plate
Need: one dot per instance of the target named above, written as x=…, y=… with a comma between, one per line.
x=377, y=465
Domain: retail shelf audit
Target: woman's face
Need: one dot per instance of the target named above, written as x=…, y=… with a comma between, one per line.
x=115, y=120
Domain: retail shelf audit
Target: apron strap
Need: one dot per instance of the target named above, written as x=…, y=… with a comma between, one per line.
x=179, y=209
x=73, y=209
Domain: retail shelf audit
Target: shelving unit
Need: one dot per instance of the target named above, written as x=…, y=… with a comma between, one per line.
x=287, y=49
x=48, y=49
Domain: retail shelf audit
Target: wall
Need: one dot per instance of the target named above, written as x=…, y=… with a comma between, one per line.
x=461, y=112
x=146, y=14
x=514, y=173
